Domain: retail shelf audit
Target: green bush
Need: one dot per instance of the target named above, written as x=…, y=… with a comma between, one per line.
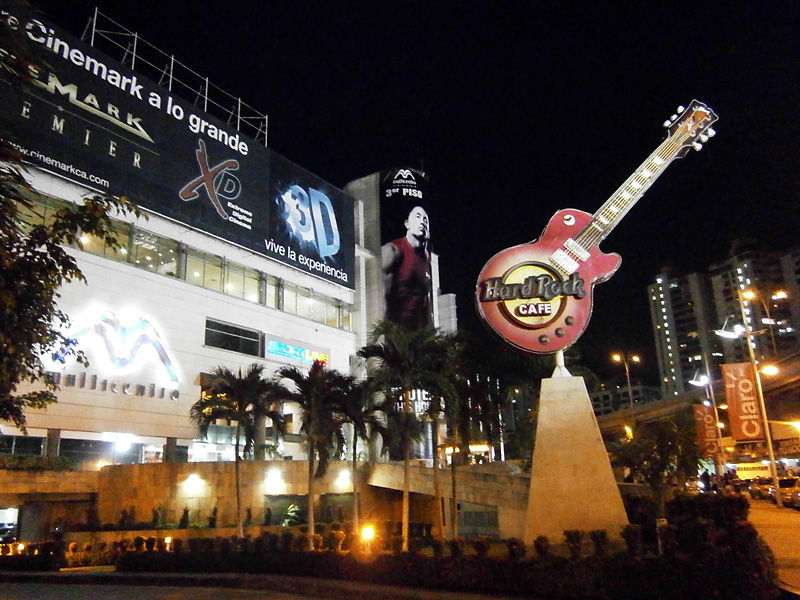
x=29, y=462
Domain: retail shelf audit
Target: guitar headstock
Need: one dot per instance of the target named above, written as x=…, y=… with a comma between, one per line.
x=690, y=127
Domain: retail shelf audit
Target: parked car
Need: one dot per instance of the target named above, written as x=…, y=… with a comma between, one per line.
x=7, y=535
x=759, y=487
x=785, y=484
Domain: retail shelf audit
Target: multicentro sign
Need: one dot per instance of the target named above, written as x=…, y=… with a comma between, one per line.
x=93, y=121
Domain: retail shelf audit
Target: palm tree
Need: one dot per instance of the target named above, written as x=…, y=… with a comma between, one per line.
x=320, y=393
x=245, y=399
x=408, y=360
x=359, y=410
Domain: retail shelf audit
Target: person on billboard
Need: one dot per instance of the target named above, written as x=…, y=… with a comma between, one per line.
x=406, y=264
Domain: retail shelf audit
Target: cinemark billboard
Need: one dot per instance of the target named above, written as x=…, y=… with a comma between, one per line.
x=95, y=122
x=741, y=393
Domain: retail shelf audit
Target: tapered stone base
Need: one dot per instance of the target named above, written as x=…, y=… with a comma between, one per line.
x=572, y=485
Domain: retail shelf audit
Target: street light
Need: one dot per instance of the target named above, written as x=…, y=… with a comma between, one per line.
x=752, y=294
x=626, y=359
x=748, y=334
x=705, y=381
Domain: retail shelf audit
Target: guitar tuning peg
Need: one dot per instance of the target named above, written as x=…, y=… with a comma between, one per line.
x=681, y=109
x=703, y=138
x=674, y=117
x=697, y=146
x=667, y=123
x=710, y=132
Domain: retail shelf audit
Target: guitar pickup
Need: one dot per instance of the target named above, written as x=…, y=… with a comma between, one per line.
x=576, y=249
x=565, y=263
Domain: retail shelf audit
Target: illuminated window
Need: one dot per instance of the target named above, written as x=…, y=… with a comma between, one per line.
x=272, y=291
x=242, y=282
x=154, y=253
x=204, y=269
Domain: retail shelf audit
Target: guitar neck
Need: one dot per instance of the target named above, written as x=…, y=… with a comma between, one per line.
x=618, y=205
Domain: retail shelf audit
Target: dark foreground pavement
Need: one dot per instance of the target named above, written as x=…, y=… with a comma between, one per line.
x=106, y=583
x=780, y=528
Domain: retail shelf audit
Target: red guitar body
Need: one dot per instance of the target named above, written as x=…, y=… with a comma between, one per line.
x=542, y=324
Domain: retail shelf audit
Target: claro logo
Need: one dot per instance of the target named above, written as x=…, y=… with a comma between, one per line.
x=122, y=344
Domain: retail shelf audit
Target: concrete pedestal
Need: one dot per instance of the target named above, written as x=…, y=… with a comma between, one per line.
x=572, y=485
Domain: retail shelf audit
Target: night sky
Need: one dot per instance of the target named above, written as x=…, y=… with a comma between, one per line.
x=515, y=110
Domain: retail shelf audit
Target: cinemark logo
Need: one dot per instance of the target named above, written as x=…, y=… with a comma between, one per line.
x=218, y=182
x=123, y=343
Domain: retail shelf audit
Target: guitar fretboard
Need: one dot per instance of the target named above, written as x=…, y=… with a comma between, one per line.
x=618, y=205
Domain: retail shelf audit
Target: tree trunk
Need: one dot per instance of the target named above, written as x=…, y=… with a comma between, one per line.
x=354, y=477
x=240, y=528
x=406, y=484
x=453, y=500
x=437, y=484
x=311, y=486
x=260, y=438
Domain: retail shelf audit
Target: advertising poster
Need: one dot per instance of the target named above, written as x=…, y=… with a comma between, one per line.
x=94, y=121
x=406, y=248
x=707, y=435
x=741, y=393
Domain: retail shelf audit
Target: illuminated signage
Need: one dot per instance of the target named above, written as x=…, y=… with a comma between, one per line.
x=122, y=344
x=296, y=352
x=93, y=121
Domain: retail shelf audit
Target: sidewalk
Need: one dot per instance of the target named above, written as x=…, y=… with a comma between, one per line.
x=780, y=528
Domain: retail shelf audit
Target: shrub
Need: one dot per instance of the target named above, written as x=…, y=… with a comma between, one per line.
x=456, y=546
x=481, y=546
x=632, y=534
x=599, y=538
x=516, y=549
x=542, y=546
x=573, y=537
x=184, y=522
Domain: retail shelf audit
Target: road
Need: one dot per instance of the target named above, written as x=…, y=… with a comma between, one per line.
x=47, y=591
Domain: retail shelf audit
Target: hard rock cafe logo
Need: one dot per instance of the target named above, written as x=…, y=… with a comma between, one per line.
x=530, y=295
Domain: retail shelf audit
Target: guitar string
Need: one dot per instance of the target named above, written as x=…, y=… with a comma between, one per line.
x=667, y=152
x=590, y=235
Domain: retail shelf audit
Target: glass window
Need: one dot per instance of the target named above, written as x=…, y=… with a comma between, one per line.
x=303, y=303
x=289, y=298
x=155, y=253
x=95, y=245
x=346, y=319
x=234, y=338
x=204, y=269
x=273, y=287
x=242, y=282
x=318, y=308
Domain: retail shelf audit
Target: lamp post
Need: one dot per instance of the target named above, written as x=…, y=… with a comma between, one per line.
x=706, y=381
x=626, y=359
x=748, y=333
x=752, y=294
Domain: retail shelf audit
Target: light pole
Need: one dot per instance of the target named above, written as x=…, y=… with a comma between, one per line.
x=708, y=383
x=752, y=294
x=626, y=359
x=748, y=333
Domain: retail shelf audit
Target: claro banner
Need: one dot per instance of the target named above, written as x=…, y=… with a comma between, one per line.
x=94, y=121
x=707, y=435
x=743, y=407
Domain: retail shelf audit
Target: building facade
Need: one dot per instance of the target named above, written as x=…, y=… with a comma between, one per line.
x=240, y=257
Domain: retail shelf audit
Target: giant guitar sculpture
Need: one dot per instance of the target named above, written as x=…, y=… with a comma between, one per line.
x=538, y=296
